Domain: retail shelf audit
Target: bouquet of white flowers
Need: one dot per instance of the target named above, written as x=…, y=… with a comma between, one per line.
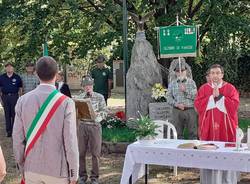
x=159, y=93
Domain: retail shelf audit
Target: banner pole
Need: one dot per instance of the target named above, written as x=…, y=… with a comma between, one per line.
x=179, y=58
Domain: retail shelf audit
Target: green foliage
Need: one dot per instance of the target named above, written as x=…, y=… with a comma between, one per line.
x=78, y=30
x=244, y=73
x=144, y=127
x=244, y=124
x=113, y=122
x=185, y=133
x=118, y=134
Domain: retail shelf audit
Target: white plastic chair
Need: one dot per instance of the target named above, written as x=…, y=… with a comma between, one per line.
x=171, y=133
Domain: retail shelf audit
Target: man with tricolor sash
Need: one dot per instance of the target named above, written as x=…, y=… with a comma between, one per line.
x=44, y=134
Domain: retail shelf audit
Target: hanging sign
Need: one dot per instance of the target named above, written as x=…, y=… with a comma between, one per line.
x=178, y=41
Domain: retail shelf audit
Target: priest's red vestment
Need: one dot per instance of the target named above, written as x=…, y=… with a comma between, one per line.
x=218, y=117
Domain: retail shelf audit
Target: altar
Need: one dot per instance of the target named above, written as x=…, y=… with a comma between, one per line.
x=166, y=152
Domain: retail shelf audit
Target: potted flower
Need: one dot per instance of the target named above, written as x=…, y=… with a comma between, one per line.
x=144, y=128
x=159, y=93
x=159, y=109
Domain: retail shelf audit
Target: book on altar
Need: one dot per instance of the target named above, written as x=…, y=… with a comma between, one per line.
x=84, y=109
x=191, y=145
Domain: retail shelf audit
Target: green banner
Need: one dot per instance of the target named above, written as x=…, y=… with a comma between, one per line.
x=178, y=41
x=45, y=49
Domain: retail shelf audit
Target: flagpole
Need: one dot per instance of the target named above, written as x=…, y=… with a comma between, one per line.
x=179, y=58
x=125, y=49
x=45, y=47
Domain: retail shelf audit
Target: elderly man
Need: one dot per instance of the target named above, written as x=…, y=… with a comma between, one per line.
x=44, y=134
x=181, y=94
x=90, y=132
x=29, y=79
x=102, y=76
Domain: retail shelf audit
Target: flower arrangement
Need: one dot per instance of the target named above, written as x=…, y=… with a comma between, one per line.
x=115, y=121
x=121, y=115
x=159, y=93
x=144, y=127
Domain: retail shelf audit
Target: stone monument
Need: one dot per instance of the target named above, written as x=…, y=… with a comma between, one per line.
x=143, y=73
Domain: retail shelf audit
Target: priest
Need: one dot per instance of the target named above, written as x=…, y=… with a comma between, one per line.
x=217, y=104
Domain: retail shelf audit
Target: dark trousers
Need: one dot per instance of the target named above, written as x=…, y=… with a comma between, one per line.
x=89, y=136
x=9, y=103
x=186, y=118
x=105, y=97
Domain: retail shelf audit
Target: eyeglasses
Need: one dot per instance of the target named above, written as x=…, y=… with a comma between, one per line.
x=180, y=70
x=216, y=73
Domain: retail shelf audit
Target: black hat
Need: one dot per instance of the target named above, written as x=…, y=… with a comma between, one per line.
x=8, y=64
x=100, y=59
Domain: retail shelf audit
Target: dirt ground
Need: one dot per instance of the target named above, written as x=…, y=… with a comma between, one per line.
x=110, y=169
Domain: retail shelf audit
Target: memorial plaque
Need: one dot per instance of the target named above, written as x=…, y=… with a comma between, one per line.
x=160, y=111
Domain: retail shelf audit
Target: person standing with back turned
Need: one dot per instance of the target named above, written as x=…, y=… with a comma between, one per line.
x=44, y=134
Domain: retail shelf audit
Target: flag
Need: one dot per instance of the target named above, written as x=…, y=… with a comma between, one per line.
x=45, y=49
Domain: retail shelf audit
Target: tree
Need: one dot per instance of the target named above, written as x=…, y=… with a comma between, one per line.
x=82, y=28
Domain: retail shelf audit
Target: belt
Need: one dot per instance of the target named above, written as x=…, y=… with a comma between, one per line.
x=185, y=108
x=87, y=122
x=10, y=94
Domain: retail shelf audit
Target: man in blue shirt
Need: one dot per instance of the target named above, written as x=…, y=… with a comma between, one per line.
x=11, y=85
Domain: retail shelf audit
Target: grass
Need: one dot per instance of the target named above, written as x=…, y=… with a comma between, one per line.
x=116, y=100
x=118, y=134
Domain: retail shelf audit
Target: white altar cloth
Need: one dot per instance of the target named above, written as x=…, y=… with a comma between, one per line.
x=165, y=152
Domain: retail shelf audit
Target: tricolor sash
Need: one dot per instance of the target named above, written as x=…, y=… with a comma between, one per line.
x=42, y=119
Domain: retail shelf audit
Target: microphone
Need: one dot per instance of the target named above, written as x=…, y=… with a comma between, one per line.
x=88, y=94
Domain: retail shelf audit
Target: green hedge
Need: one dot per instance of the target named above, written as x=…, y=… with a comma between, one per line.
x=118, y=134
x=127, y=135
x=244, y=123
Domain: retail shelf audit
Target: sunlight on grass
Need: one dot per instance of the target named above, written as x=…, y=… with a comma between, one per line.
x=116, y=100
x=110, y=175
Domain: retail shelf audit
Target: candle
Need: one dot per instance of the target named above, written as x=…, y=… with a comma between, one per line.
x=239, y=137
x=248, y=137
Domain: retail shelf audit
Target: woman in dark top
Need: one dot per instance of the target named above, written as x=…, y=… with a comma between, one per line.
x=61, y=86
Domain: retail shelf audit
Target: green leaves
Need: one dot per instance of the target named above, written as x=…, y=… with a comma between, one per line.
x=144, y=127
x=78, y=29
